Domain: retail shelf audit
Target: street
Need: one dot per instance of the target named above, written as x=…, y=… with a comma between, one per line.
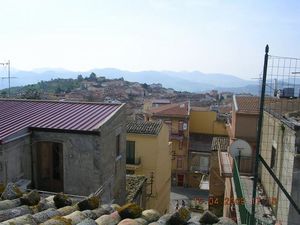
x=180, y=194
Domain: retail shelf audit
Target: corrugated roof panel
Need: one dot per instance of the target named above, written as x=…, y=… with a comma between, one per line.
x=16, y=115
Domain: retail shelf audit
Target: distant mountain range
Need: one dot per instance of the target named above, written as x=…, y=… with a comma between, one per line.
x=180, y=81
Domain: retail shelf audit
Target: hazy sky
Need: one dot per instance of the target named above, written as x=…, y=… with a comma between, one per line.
x=225, y=36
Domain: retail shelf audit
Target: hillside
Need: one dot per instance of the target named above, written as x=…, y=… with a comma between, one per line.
x=101, y=89
x=180, y=81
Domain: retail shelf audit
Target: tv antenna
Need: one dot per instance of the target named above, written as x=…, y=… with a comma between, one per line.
x=8, y=74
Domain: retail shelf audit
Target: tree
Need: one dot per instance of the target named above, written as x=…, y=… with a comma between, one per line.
x=31, y=93
x=145, y=86
x=93, y=77
x=80, y=77
x=3, y=94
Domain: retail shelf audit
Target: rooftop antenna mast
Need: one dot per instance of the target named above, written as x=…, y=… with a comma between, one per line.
x=8, y=74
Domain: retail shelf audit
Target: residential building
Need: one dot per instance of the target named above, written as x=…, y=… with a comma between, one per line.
x=204, y=124
x=243, y=125
x=59, y=146
x=176, y=117
x=150, y=103
x=148, y=153
x=205, y=121
x=280, y=148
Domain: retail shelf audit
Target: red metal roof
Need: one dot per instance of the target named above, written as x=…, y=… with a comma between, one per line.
x=17, y=115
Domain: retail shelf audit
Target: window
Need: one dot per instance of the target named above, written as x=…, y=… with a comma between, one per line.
x=179, y=163
x=272, y=164
x=169, y=124
x=180, y=125
x=204, y=164
x=130, y=152
x=180, y=144
x=117, y=145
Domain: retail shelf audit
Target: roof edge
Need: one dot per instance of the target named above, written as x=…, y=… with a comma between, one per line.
x=235, y=103
x=57, y=101
x=94, y=132
x=97, y=127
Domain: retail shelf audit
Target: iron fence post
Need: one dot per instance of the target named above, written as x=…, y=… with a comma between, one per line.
x=258, y=135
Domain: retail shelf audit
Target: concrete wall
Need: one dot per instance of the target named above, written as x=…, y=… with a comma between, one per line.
x=156, y=158
x=15, y=160
x=294, y=217
x=113, y=166
x=282, y=138
x=205, y=122
x=246, y=126
x=81, y=163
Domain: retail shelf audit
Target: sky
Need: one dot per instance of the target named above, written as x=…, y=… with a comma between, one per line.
x=211, y=36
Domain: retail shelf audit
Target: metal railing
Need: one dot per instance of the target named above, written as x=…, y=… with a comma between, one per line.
x=243, y=207
x=133, y=161
x=201, y=169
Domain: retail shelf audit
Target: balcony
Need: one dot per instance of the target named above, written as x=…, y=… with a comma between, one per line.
x=199, y=169
x=133, y=163
x=177, y=136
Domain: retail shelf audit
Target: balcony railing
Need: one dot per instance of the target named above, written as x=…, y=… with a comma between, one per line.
x=133, y=161
x=176, y=136
x=199, y=169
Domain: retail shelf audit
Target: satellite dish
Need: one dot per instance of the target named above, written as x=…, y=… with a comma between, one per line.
x=240, y=148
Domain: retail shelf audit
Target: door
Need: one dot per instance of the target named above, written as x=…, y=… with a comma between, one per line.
x=180, y=180
x=130, y=152
x=50, y=166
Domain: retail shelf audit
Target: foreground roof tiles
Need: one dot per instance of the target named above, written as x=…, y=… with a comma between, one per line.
x=20, y=115
x=36, y=208
x=144, y=127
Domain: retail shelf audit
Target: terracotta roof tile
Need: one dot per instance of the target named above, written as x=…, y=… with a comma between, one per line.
x=176, y=109
x=134, y=183
x=247, y=104
x=220, y=144
x=144, y=127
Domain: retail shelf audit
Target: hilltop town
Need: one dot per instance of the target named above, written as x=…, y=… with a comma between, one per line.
x=99, y=89
x=103, y=151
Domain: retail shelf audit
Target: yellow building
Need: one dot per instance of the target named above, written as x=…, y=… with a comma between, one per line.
x=176, y=117
x=204, y=125
x=205, y=121
x=148, y=153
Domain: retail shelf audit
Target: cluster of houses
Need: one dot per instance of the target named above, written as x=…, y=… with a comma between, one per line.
x=81, y=148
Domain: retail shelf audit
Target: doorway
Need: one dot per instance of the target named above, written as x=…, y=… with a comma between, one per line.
x=180, y=180
x=50, y=175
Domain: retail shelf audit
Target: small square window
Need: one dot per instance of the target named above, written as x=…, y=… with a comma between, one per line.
x=179, y=163
x=118, y=145
x=273, y=155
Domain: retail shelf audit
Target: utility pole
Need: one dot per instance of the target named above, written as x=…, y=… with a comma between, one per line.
x=8, y=74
